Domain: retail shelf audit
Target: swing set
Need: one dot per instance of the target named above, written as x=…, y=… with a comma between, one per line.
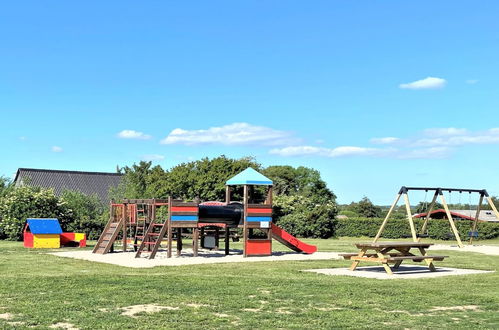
x=438, y=192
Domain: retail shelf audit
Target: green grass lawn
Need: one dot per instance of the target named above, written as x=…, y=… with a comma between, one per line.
x=40, y=290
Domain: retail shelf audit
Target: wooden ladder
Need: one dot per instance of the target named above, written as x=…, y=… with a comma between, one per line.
x=140, y=229
x=152, y=237
x=108, y=236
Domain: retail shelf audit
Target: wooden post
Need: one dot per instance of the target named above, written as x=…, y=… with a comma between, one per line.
x=227, y=195
x=245, y=212
x=125, y=227
x=451, y=221
x=195, y=237
x=169, y=224
x=269, y=196
x=227, y=236
x=179, y=241
x=428, y=214
x=380, y=231
x=494, y=209
x=473, y=230
x=409, y=217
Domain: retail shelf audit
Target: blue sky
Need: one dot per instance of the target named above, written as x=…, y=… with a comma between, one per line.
x=375, y=95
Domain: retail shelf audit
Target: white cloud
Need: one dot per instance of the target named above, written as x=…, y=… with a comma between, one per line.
x=56, y=149
x=449, y=131
x=343, y=151
x=426, y=153
x=232, y=134
x=465, y=137
x=426, y=83
x=472, y=81
x=385, y=140
x=23, y=138
x=131, y=134
x=434, y=143
x=152, y=157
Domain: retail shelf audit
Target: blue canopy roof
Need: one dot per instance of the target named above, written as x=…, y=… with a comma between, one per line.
x=44, y=226
x=249, y=176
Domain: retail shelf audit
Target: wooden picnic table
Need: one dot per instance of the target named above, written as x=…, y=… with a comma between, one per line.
x=392, y=253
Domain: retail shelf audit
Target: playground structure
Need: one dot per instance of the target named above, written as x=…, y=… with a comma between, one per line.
x=47, y=234
x=145, y=224
x=438, y=192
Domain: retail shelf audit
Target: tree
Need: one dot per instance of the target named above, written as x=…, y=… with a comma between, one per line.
x=86, y=212
x=365, y=208
x=204, y=179
x=5, y=185
x=299, y=181
x=423, y=207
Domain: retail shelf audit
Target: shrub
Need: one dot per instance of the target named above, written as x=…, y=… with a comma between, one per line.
x=28, y=202
x=300, y=216
x=399, y=228
x=87, y=213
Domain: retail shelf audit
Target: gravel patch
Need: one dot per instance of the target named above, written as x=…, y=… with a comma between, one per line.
x=403, y=272
x=127, y=259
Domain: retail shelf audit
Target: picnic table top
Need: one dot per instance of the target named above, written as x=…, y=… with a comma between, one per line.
x=392, y=245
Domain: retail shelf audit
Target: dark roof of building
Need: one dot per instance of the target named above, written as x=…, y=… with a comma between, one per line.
x=89, y=183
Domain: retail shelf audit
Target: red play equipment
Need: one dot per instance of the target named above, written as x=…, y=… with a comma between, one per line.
x=290, y=241
x=147, y=223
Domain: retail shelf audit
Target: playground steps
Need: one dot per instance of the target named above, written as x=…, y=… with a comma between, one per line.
x=152, y=239
x=108, y=236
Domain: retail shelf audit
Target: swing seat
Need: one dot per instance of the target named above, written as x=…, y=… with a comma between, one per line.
x=473, y=234
x=422, y=235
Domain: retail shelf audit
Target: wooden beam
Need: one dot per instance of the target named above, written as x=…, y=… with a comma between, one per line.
x=380, y=231
x=169, y=233
x=479, y=206
x=245, y=222
x=227, y=195
x=451, y=221
x=494, y=209
x=409, y=217
x=125, y=227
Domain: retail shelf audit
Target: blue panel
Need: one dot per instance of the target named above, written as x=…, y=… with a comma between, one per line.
x=44, y=226
x=258, y=219
x=184, y=218
x=249, y=176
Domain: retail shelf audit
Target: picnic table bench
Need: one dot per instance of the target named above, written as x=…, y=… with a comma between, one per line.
x=392, y=252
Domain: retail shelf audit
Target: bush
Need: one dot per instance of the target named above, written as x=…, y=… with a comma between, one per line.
x=299, y=216
x=88, y=213
x=399, y=228
x=28, y=202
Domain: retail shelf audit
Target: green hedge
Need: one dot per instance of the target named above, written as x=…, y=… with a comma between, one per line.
x=399, y=228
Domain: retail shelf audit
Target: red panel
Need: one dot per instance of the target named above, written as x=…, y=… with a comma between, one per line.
x=28, y=240
x=251, y=210
x=184, y=209
x=67, y=237
x=258, y=247
x=83, y=242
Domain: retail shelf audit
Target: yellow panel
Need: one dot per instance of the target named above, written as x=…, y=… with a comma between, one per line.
x=79, y=236
x=46, y=241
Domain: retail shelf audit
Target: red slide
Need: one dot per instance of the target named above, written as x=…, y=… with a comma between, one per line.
x=290, y=241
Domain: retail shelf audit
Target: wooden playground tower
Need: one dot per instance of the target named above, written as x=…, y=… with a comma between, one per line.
x=438, y=192
x=144, y=224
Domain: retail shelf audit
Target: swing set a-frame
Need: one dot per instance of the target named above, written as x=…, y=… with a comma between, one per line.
x=439, y=192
